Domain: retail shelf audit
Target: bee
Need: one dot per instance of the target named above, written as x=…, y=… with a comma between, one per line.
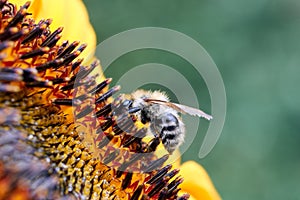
x=163, y=116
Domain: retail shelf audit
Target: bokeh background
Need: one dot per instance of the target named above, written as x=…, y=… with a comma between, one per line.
x=256, y=47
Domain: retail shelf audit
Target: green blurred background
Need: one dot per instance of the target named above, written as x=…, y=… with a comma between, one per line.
x=256, y=47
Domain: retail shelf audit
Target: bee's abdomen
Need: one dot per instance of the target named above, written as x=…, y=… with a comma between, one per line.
x=169, y=128
x=171, y=131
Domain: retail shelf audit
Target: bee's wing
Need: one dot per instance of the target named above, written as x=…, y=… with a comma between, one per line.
x=181, y=108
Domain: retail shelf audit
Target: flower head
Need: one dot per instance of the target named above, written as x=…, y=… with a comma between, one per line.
x=62, y=136
x=59, y=136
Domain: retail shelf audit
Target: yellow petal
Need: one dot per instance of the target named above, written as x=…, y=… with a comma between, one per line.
x=197, y=182
x=72, y=15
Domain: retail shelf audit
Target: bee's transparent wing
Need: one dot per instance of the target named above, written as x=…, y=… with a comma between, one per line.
x=181, y=108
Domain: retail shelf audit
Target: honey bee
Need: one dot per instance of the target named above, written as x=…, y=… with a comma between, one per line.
x=163, y=116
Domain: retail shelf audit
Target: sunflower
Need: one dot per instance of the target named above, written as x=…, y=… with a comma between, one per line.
x=59, y=136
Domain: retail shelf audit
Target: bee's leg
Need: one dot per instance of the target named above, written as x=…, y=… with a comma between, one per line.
x=154, y=130
x=153, y=144
x=144, y=117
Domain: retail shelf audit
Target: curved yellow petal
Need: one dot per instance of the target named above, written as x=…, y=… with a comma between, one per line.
x=72, y=15
x=197, y=182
